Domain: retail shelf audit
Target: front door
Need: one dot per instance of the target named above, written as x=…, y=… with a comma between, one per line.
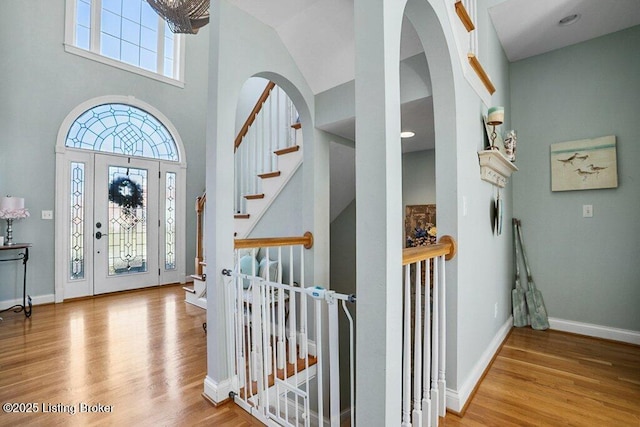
x=125, y=223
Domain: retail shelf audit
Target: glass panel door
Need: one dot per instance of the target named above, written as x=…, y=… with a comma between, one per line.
x=125, y=224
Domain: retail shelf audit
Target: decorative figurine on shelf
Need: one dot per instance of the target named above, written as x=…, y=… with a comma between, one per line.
x=12, y=208
x=510, y=145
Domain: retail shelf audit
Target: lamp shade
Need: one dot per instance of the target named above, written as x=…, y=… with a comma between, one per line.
x=12, y=208
x=9, y=203
x=495, y=116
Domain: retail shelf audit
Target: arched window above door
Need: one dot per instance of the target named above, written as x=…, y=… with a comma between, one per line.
x=122, y=129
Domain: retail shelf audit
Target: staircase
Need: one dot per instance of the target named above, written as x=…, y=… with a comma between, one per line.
x=255, y=203
x=268, y=152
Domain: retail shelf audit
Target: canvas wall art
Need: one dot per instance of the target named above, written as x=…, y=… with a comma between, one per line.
x=584, y=165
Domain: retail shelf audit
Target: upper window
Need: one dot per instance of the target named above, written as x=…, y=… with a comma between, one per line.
x=124, y=33
x=122, y=129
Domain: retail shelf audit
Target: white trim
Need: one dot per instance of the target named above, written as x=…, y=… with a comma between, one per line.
x=597, y=331
x=122, y=65
x=64, y=155
x=456, y=399
x=217, y=392
x=36, y=300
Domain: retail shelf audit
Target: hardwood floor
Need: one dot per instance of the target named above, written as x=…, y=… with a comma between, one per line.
x=143, y=353
x=548, y=378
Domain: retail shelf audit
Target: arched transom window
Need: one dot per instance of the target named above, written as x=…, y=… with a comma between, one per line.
x=122, y=129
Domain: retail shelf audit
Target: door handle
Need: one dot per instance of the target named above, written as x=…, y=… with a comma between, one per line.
x=99, y=234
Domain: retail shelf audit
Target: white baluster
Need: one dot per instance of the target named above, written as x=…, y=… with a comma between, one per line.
x=443, y=342
x=293, y=345
x=282, y=355
x=426, y=399
x=435, y=349
x=416, y=415
x=406, y=349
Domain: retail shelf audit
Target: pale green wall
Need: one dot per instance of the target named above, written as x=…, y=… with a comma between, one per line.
x=419, y=178
x=586, y=268
x=40, y=84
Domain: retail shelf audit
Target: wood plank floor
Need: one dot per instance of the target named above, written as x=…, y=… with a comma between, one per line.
x=549, y=378
x=144, y=353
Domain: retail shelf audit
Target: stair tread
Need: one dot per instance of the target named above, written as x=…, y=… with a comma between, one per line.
x=241, y=216
x=297, y=125
x=287, y=150
x=254, y=196
x=273, y=174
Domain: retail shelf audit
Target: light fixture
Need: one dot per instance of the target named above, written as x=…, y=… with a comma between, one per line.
x=183, y=16
x=407, y=134
x=569, y=19
x=495, y=117
x=12, y=208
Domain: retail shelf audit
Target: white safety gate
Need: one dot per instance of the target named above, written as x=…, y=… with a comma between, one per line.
x=284, y=339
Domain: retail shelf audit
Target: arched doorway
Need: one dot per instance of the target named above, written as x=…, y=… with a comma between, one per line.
x=120, y=179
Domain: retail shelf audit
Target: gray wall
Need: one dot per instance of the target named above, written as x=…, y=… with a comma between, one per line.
x=40, y=84
x=587, y=268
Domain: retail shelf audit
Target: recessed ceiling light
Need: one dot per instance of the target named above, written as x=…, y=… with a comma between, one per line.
x=407, y=134
x=569, y=19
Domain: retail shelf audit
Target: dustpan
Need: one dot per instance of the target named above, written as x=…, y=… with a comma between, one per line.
x=518, y=301
x=535, y=303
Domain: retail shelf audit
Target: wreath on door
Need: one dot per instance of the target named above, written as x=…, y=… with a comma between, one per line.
x=126, y=193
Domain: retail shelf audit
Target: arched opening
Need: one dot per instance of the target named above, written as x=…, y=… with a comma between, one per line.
x=119, y=171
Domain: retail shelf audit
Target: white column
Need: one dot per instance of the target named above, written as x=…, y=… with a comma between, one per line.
x=219, y=219
x=379, y=212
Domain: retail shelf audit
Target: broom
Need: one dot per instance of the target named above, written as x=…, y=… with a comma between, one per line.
x=535, y=303
x=517, y=294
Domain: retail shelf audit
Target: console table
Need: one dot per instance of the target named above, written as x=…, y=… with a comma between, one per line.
x=24, y=257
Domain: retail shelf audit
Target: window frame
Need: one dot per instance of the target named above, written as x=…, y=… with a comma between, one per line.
x=95, y=55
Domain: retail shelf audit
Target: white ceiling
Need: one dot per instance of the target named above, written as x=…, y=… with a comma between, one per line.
x=320, y=37
x=527, y=28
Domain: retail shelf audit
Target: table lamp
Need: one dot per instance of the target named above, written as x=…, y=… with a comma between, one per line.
x=12, y=208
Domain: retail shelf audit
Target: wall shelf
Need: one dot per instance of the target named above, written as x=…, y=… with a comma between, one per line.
x=495, y=167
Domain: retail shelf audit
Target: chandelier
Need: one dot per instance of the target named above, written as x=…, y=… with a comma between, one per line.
x=183, y=16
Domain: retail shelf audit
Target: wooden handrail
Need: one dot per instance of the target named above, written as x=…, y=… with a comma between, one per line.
x=447, y=247
x=200, y=204
x=464, y=16
x=267, y=242
x=484, y=77
x=252, y=116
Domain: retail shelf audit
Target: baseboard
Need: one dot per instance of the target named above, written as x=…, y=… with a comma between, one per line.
x=457, y=399
x=597, y=331
x=36, y=300
x=217, y=392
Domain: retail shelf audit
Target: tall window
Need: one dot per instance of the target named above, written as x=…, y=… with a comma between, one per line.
x=124, y=33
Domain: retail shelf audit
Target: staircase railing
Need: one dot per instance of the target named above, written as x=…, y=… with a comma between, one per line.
x=267, y=130
x=424, y=333
x=277, y=337
x=201, y=203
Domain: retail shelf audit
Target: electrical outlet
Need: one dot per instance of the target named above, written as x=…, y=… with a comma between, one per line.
x=47, y=214
x=587, y=211
x=495, y=311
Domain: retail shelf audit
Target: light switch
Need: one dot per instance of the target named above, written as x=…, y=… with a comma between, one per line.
x=587, y=211
x=47, y=214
